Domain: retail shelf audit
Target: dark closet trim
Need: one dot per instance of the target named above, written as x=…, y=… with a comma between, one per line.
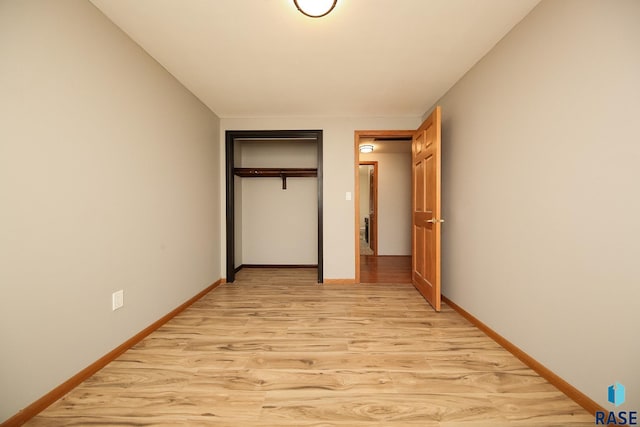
x=230, y=138
x=240, y=267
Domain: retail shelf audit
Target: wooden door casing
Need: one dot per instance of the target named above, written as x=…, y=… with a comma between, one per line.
x=359, y=137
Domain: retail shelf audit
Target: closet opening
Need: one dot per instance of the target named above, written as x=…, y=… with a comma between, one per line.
x=273, y=200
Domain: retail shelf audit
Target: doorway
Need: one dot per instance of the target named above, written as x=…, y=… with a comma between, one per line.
x=383, y=207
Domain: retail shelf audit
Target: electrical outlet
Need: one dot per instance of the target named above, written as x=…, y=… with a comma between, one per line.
x=117, y=299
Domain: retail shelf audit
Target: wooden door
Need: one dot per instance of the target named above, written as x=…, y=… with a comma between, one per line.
x=426, y=220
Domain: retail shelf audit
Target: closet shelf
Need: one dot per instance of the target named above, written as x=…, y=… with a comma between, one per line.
x=283, y=173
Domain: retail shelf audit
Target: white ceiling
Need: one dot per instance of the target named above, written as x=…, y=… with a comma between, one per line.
x=367, y=58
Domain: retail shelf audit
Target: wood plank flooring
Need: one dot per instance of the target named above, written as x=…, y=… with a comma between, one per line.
x=385, y=269
x=277, y=349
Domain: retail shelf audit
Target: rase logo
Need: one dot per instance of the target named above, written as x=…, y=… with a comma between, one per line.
x=616, y=396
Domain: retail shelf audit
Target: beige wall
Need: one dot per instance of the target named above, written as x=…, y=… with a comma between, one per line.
x=108, y=180
x=278, y=226
x=394, y=202
x=338, y=146
x=540, y=184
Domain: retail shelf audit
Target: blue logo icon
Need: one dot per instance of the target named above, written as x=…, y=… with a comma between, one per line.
x=616, y=394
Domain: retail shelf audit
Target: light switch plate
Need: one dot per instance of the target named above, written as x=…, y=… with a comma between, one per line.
x=117, y=299
x=348, y=195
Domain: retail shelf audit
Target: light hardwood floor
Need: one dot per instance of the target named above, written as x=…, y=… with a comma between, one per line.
x=277, y=349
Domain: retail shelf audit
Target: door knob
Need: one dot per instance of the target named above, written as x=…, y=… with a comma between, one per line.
x=434, y=221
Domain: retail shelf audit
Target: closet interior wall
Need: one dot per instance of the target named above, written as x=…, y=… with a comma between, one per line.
x=237, y=182
x=276, y=226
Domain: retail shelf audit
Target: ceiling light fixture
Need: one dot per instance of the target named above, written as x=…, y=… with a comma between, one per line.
x=366, y=148
x=315, y=8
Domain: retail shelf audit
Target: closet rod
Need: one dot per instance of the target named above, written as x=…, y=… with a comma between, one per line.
x=283, y=173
